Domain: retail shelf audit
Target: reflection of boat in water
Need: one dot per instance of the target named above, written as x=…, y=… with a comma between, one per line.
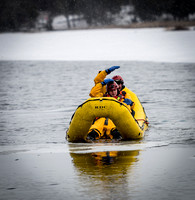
x=104, y=175
x=129, y=127
x=109, y=162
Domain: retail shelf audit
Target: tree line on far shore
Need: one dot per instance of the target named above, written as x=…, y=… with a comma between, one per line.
x=18, y=13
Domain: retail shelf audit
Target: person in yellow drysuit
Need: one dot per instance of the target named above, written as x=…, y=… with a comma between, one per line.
x=104, y=127
x=100, y=85
x=122, y=88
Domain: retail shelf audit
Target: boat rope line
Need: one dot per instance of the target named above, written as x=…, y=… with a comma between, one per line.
x=145, y=121
x=102, y=99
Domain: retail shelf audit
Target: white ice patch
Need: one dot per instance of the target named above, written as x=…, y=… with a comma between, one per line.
x=79, y=148
x=149, y=44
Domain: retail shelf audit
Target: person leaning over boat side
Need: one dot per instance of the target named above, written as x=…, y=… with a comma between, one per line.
x=99, y=90
x=104, y=127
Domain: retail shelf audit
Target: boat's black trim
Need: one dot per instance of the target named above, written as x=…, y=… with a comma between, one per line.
x=101, y=99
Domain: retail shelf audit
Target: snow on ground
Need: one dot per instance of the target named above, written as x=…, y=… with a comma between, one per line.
x=154, y=44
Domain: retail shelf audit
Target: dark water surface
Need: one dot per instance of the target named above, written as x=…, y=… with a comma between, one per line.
x=37, y=100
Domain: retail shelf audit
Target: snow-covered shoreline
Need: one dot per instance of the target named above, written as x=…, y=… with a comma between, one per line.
x=149, y=44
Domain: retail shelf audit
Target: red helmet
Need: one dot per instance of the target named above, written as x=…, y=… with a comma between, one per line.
x=112, y=86
x=118, y=79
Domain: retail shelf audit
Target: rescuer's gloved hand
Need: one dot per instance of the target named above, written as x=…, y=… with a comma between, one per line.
x=111, y=69
x=128, y=102
x=106, y=81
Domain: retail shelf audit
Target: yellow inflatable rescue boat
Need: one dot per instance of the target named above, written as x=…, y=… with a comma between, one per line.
x=129, y=127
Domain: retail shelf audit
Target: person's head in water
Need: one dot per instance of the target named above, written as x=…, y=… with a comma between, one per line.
x=119, y=80
x=112, y=89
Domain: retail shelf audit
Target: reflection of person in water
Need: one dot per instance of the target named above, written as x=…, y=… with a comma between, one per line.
x=105, y=158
